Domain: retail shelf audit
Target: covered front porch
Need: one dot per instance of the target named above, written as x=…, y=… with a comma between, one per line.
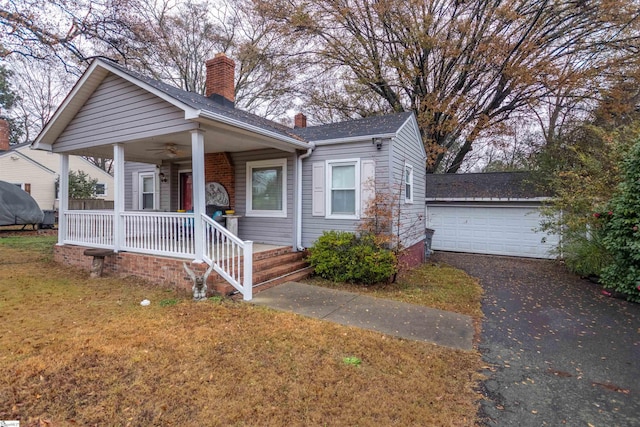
x=189, y=144
x=191, y=234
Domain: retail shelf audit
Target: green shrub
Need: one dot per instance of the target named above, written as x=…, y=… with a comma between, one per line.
x=584, y=255
x=344, y=257
x=622, y=232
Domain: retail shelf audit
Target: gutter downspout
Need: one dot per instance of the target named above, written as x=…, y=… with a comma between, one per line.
x=299, y=197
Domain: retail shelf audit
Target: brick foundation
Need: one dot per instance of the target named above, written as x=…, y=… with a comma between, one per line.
x=155, y=269
x=164, y=271
x=412, y=256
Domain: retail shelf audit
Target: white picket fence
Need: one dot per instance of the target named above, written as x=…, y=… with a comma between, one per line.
x=166, y=234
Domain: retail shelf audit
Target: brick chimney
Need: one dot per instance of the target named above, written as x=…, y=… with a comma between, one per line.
x=220, y=84
x=300, y=121
x=4, y=135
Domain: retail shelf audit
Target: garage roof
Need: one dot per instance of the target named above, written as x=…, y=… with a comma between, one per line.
x=490, y=185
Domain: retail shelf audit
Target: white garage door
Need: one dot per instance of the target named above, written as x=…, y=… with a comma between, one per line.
x=494, y=230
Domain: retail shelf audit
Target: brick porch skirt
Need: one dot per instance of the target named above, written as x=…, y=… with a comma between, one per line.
x=412, y=256
x=155, y=269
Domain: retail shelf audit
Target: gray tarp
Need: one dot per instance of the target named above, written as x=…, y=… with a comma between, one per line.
x=17, y=206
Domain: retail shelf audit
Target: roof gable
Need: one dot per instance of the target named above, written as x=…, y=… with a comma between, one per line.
x=195, y=106
x=201, y=103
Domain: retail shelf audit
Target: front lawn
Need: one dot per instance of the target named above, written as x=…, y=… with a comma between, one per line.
x=75, y=351
x=432, y=284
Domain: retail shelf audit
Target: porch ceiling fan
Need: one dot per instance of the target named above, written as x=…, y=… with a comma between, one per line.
x=170, y=149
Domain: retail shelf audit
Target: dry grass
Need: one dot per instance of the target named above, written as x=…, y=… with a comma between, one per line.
x=433, y=284
x=80, y=352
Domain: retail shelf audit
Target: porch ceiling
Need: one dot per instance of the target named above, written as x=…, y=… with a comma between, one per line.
x=218, y=137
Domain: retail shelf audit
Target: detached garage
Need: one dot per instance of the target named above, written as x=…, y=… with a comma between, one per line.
x=487, y=213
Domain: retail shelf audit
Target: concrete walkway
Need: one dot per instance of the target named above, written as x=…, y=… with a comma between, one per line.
x=409, y=321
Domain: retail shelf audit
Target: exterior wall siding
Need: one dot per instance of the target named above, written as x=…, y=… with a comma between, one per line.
x=276, y=231
x=131, y=181
x=22, y=171
x=407, y=147
x=119, y=111
x=314, y=226
x=169, y=190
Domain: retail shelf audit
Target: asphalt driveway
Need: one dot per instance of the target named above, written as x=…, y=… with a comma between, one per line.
x=557, y=351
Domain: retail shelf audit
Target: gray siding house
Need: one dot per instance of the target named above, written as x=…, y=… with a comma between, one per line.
x=383, y=150
x=182, y=161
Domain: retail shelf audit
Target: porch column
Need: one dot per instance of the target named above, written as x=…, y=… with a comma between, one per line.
x=118, y=196
x=197, y=171
x=63, y=198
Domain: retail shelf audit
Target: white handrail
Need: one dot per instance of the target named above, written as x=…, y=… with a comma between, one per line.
x=231, y=257
x=159, y=233
x=88, y=228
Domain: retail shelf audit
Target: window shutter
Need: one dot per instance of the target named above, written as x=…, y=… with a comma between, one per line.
x=135, y=188
x=367, y=180
x=317, y=189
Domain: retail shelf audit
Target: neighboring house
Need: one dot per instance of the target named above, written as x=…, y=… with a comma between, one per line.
x=488, y=213
x=36, y=172
x=179, y=157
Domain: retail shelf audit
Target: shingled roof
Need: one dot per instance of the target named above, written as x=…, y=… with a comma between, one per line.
x=197, y=105
x=201, y=102
x=493, y=185
x=368, y=126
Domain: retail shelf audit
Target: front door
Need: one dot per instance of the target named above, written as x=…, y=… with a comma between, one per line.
x=186, y=191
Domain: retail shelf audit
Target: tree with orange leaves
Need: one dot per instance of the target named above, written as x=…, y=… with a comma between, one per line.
x=464, y=67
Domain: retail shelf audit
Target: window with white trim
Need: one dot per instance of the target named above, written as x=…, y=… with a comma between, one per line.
x=101, y=189
x=267, y=188
x=408, y=183
x=343, y=184
x=147, y=183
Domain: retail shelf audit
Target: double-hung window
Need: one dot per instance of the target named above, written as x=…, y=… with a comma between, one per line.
x=343, y=183
x=147, y=184
x=267, y=188
x=408, y=183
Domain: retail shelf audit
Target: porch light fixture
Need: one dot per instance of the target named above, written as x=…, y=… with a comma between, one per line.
x=377, y=142
x=162, y=177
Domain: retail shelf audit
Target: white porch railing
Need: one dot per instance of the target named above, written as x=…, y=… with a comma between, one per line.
x=159, y=233
x=231, y=257
x=89, y=228
x=167, y=234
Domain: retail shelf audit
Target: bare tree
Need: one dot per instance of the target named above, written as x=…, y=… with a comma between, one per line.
x=464, y=67
x=68, y=31
x=41, y=89
x=178, y=38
